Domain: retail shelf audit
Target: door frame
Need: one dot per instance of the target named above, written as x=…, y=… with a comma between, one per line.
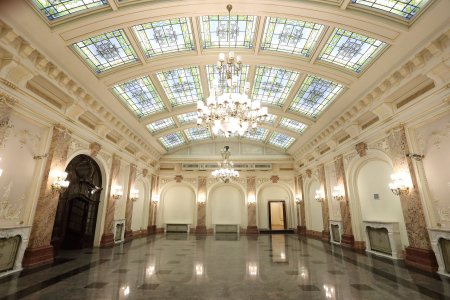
x=270, y=213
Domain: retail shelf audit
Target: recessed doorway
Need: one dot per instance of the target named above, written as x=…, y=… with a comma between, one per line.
x=277, y=215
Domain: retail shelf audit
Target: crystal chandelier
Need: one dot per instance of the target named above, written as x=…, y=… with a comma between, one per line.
x=229, y=109
x=226, y=171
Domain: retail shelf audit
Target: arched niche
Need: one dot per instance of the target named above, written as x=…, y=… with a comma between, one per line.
x=177, y=205
x=313, y=208
x=226, y=205
x=104, y=170
x=274, y=192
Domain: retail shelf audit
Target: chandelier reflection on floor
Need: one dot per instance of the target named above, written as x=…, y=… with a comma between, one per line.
x=229, y=109
x=226, y=171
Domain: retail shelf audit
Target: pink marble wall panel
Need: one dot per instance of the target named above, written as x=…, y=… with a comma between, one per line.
x=325, y=210
x=345, y=208
x=302, y=203
x=129, y=204
x=201, y=211
x=251, y=209
x=110, y=207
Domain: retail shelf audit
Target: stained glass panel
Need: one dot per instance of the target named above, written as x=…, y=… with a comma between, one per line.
x=182, y=86
x=161, y=125
x=269, y=119
x=350, y=50
x=403, y=8
x=291, y=36
x=197, y=133
x=54, y=9
x=188, y=118
x=172, y=140
x=168, y=36
x=140, y=96
x=314, y=95
x=293, y=125
x=272, y=85
x=259, y=134
x=281, y=140
x=213, y=76
x=106, y=51
x=215, y=31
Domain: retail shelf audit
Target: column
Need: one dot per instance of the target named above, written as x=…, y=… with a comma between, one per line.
x=251, y=206
x=39, y=249
x=325, y=211
x=108, y=229
x=301, y=229
x=201, y=206
x=154, y=198
x=347, y=234
x=419, y=253
x=129, y=204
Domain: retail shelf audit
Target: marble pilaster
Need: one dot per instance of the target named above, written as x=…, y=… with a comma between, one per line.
x=419, y=253
x=108, y=231
x=347, y=232
x=39, y=249
x=252, y=228
x=129, y=204
x=201, y=206
x=301, y=207
x=325, y=209
x=151, y=229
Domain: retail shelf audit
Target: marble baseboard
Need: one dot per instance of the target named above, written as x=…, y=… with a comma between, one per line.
x=252, y=230
x=201, y=230
x=325, y=235
x=107, y=240
x=128, y=235
x=151, y=229
x=301, y=230
x=422, y=259
x=347, y=240
x=314, y=234
x=37, y=256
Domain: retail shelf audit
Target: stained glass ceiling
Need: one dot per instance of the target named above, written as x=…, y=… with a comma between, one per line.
x=106, y=51
x=190, y=117
x=314, y=95
x=172, y=140
x=167, y=36
x=54, y=9
x=291, y=36
x=280, y=140
x=293, y=125
x=404, y=8
x=259, y=134
x=140, y=96
x=216, y=33
x=182, y=86
x=161, y=125
x=269, y=119
x=197, y=133
x=350, y=50
x=213, y=74
x=272, y=85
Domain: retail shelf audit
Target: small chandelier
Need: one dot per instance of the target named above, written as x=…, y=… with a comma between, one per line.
x=400, y=184
x=226, y=171
x=229, y=109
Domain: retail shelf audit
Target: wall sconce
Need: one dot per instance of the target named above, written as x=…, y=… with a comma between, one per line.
x=298, y=199
x=1, y=170
x=60, y=182
x=320, y=196
x=199, y=269
x=201, y=199
x=134, y=195
x=338, y=193
x=251, y=200
x=415, y=156
x=400, y=183
x=155, y=199
x=116, y=192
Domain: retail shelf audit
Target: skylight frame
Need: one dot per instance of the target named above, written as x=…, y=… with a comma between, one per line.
x=197, y=134
x=124, y=92
x=114, y=41
x=393, y=10
x=160, y=125
x=281, y=140
x=186, y=118
x=269, y=119
x=57, y=11
x=179, y=95
x=212, y=72
x=276, y=30
x=310, y=88
x=293, y=125
x=274, y=78
x=181, y=28
x=172, y=140
x=334, y=49
x=259, y=134
x=246, y=24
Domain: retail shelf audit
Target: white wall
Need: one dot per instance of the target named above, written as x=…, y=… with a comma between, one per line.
x=177, y=205
x=314, y=219
x=226, y=206
x=373, y=178
x=273, y=192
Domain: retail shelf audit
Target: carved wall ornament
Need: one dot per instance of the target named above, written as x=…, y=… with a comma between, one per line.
x=361, y=148
x=308, y=173
x=144, y=172
x=178, y=178
x=94, y=148
x=10, y=210
x=274, y=178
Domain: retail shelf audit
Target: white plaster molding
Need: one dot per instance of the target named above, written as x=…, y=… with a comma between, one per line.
x=24, y=233
x=435, y=235
x=393, y=234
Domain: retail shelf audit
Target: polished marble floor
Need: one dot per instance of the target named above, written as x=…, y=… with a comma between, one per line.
x=177, y=266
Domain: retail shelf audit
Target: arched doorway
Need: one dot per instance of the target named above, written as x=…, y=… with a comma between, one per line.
x=76, y=215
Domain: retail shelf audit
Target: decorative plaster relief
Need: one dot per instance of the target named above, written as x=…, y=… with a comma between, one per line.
x=10, y=209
